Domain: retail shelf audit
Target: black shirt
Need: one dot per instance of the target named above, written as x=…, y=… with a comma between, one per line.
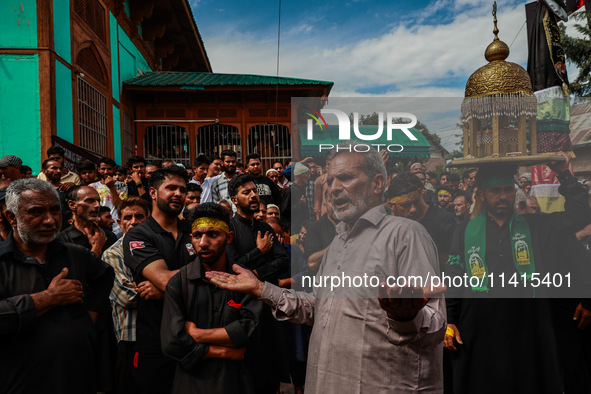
x=143, y=245
x=440, y=225
x=191, y=297
x=243, y=249
x=74, y=236
x=320, y=234
x=268, y=191
x=55, y=352
x=514, y=334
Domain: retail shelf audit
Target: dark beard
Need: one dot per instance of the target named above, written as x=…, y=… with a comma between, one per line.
x=168, y=210
x=247, y=210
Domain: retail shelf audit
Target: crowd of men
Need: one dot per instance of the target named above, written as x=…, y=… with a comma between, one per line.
x=156, y=278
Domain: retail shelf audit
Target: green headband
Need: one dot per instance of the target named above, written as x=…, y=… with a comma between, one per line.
x=497, y=180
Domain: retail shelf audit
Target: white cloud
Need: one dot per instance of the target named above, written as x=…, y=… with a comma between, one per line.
x=412, y=58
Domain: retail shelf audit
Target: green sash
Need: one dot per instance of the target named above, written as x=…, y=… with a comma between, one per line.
x=475, y=249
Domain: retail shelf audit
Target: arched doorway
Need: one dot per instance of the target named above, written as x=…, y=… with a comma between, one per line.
x=214, y=138
x=271, y=141
x=167, y=142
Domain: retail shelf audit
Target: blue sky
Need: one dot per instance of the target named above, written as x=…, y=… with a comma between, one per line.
x=398, y=48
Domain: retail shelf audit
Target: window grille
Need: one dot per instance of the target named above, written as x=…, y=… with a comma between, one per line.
x=272, y=142
x=167, y=142
x=92, y=118
x=217, y=137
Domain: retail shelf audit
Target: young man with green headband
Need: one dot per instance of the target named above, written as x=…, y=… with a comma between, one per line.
x=503, y=339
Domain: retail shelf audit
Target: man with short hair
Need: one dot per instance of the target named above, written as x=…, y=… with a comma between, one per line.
x=154, y=251
x=283, y=181
x=132, y=212
x=52, y=172
x=50, y=294
x=207, y=334
x=267, y=190
x=105, y=219
x=261, y=214
x=444, y=198
x=255, y=247
x=150, y=170
x=443, y=178
x=10, y=168
x=87, y=172
x=219, y=189
x=354, y=337
x=497, y=241
x=405, y=198
x=84, y=202
x=469, y=178
x=110, y=191
x=453, y=184
x=193, y=196
x=200, y=169
x=139, y=185
x=462, y=207
x=57, y=153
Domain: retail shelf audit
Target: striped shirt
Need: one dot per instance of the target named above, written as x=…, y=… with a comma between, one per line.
x=123, y=296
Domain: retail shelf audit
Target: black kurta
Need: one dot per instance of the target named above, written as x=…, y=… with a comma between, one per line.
x=191, y=297
x=55, y=352
x=509, y=343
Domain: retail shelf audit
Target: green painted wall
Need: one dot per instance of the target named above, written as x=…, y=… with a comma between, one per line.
x=64, y=113
x=117, y=135
x=131, y=60
x=20, y=120
x=19, y=24
x=114, y=56
x=61, y=29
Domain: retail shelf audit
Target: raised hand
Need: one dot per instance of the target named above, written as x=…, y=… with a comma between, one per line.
x=244, y=282
x=265, y=243
x=96, y=240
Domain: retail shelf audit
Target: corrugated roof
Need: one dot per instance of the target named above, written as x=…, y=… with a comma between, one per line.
x=194, y=80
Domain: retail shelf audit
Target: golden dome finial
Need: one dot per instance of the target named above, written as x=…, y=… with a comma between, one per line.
x=496, y=29
x=497, y=50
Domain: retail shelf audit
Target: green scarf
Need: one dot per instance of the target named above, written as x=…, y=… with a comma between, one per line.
x=475, y=249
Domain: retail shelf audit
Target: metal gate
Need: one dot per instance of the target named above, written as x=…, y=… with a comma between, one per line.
x=167, y=142
x=92, y=118
x=271, y=142
x=214, y=138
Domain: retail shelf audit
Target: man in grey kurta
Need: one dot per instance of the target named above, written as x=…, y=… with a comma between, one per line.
x=356, y=346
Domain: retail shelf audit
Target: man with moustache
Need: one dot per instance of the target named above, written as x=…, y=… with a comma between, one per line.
x=255, y=247
x=266, y=188
x=504, y=321
x=110, y=191
x=219, y=189
x=204, y=328
x=50, y=294
x=363, y=344
x=84, y=202
x=155, y=251
x=132, y=212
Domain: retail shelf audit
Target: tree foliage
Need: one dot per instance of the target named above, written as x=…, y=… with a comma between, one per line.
x=578, y=52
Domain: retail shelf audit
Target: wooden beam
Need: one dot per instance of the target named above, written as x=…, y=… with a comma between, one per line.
x=153, y=28
x=163, y=47
x=170, y=62
x=533, y=129
x=495, y=131
x=522, y=135
x=140, y=9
